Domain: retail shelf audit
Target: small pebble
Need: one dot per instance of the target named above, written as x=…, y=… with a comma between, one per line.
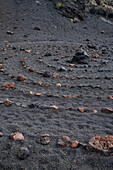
x=21, y=77
x=34, y=104
x=62, y=69
x=82, y=109
x=16, y=136
x=46, y=74
x=24, y=105
x=18, y=104
x=47, y=54
x=1, y=134
x=44, y=139
x=74, y=144
x=42, y=107
x=58, y=85
x=54, y=107
x=107, y=110
x=8, y=102
x=23, y=153
x=10, y=32
x=64, y=141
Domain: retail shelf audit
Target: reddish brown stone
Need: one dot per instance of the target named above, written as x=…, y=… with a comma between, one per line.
x=28, y=51
x=110, y=97
x=2, y=70
x=58, y=85
x=55, y=75
x=8, y=102
x=40, y=83
x=31, y=92
x=17, y=136
x=46, y=84
x=54, y=107
x=7, y=86
x=107, y=110
x=102, y=144
x=94, y=111
x=38, y=94
x=96, y=56
x=1, y=134
x=74, y=144
x=30, y=69
x=21, y=77
x=82, y=109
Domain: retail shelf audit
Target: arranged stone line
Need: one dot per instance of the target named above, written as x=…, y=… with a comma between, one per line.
x=48, y=65
x=105, y=110
x=103, y=145
x=35, y=104
x=45, y=74
x=59, y=76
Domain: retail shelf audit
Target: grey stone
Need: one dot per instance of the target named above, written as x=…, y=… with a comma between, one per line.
x=23, y=153
x=46, y=74
x=44, y=139
x=34, y=104
x=24, y=105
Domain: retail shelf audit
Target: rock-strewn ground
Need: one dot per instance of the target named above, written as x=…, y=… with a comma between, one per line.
x=41, y=43
x=77, y=8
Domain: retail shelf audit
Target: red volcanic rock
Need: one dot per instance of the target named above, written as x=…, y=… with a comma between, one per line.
x=21, y=77
x=74, y=144
x=8, y=102
x=107, y=110
x=82, y=109
x=9, y=85
x=102, y=144
x=16, y=136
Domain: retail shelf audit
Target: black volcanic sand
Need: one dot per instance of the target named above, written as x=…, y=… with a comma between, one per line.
x=59, y=38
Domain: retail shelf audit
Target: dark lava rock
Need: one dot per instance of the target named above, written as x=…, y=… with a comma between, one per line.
x=81, y=57
x=101, y=70
x=44, y=139
x=10, y=32
x=46, y=74
x=43, y=107
x=47, y=54
x=13, y=48
x=23, y=153
x=26, y=35
x=104, y=62
x=72, y=9
x=34, y=104
x=104, y=50
x=92, y=46
x=22, y=49
x=107, y=110
x=62, y=69
x=36, y=28
x=110, y=152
